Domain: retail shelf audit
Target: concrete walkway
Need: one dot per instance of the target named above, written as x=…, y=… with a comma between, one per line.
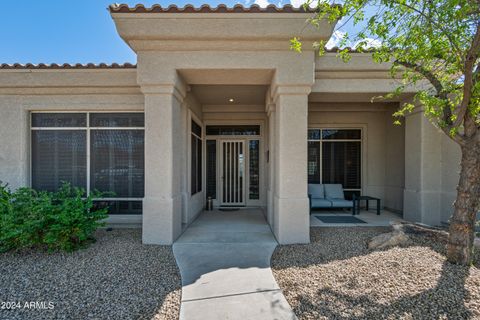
x=224, y=260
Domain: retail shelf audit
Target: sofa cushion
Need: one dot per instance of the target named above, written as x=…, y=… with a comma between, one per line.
x=316, y=191
x=334, y=191
x=341, y=203
x=321, y=203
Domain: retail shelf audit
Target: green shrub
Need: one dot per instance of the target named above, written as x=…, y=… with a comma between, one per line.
x=62, y=220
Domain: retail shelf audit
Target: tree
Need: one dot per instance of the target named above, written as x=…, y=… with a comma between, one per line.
x=437, y=42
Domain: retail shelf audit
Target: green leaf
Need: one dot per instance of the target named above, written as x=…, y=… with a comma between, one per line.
x=295, y=45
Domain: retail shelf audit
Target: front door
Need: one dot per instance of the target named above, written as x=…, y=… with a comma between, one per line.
x=232, y=172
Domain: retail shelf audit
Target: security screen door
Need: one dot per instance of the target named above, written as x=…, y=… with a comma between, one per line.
x=232, y=172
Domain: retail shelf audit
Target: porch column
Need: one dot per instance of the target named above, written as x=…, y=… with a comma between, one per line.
x=271, y=163
x=423, y=161
x=291, y=208
x=162, y=205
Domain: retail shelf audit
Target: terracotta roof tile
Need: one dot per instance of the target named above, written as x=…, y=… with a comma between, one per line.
x=222, y=8
x=4, y=66
x=351, y=50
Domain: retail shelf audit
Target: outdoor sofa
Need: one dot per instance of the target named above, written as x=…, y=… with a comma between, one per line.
x=324, y=196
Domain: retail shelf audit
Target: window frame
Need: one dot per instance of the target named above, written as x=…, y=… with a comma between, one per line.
x=258, y=127
x=207, y=171
x=200, y=143
x=249, y=170
x=88, y=130
x=362, y=139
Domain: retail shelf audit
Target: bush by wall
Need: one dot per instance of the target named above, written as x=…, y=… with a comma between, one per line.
x=62, y=220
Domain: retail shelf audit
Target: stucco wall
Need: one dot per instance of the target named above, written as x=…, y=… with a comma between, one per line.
x=56, y=90
x=194, y=204
x=451, y=157
x=15, y=127
x=14, y=164
x=15, y=130
x=395, y=162
x=235, y=113
x=382, y=152
x=431, y=172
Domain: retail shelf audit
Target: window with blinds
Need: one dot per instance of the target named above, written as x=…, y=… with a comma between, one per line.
x=114, y=163
x=59, y=155
x=211, y=167
x=233, y=130
x=334, y=156
x=254, y=169
x=196, y=158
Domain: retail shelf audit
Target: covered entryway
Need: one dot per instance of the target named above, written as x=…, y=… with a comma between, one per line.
x=248, y=54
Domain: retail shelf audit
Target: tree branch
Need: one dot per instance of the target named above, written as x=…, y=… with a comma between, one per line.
x=437, y=84
x=476, y=74
x=438, y=25
x=470, y=60
x=458, y=138
x=432, y=78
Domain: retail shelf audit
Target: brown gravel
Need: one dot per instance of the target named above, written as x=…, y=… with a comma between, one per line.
x=116, y=278
x=337, y=277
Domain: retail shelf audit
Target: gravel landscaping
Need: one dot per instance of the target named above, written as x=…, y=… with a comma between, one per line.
x=115, y=278
x=337, y=277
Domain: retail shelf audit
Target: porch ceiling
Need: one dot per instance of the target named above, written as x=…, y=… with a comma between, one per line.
x=233, y=76
x=221, y=94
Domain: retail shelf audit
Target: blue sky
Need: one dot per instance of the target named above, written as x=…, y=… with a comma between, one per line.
x=67, y=31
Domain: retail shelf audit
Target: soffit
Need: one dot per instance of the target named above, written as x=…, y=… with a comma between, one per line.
x=221, y=94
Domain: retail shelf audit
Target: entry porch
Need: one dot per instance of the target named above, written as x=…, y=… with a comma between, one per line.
x=313, y=117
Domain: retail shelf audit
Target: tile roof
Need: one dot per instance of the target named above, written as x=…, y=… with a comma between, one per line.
x=4, y=66
x=351, y=50
x=222, y=8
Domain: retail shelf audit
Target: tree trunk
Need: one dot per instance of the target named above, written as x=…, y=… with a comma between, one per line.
x=462, y=224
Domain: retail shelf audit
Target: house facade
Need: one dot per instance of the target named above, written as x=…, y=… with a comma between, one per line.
x=218, y=107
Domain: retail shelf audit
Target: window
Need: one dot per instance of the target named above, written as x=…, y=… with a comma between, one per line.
x=233, y=130
x=313, y=162
x=59, y=120
x=59, y=155
x=196, y=154
x=254, y=167
x=114, y=163
x=211, y=178
x=334, y=156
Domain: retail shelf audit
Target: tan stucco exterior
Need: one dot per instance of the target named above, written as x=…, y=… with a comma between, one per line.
x=412, y=168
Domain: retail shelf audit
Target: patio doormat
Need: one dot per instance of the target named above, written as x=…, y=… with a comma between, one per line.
x=339, y=219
